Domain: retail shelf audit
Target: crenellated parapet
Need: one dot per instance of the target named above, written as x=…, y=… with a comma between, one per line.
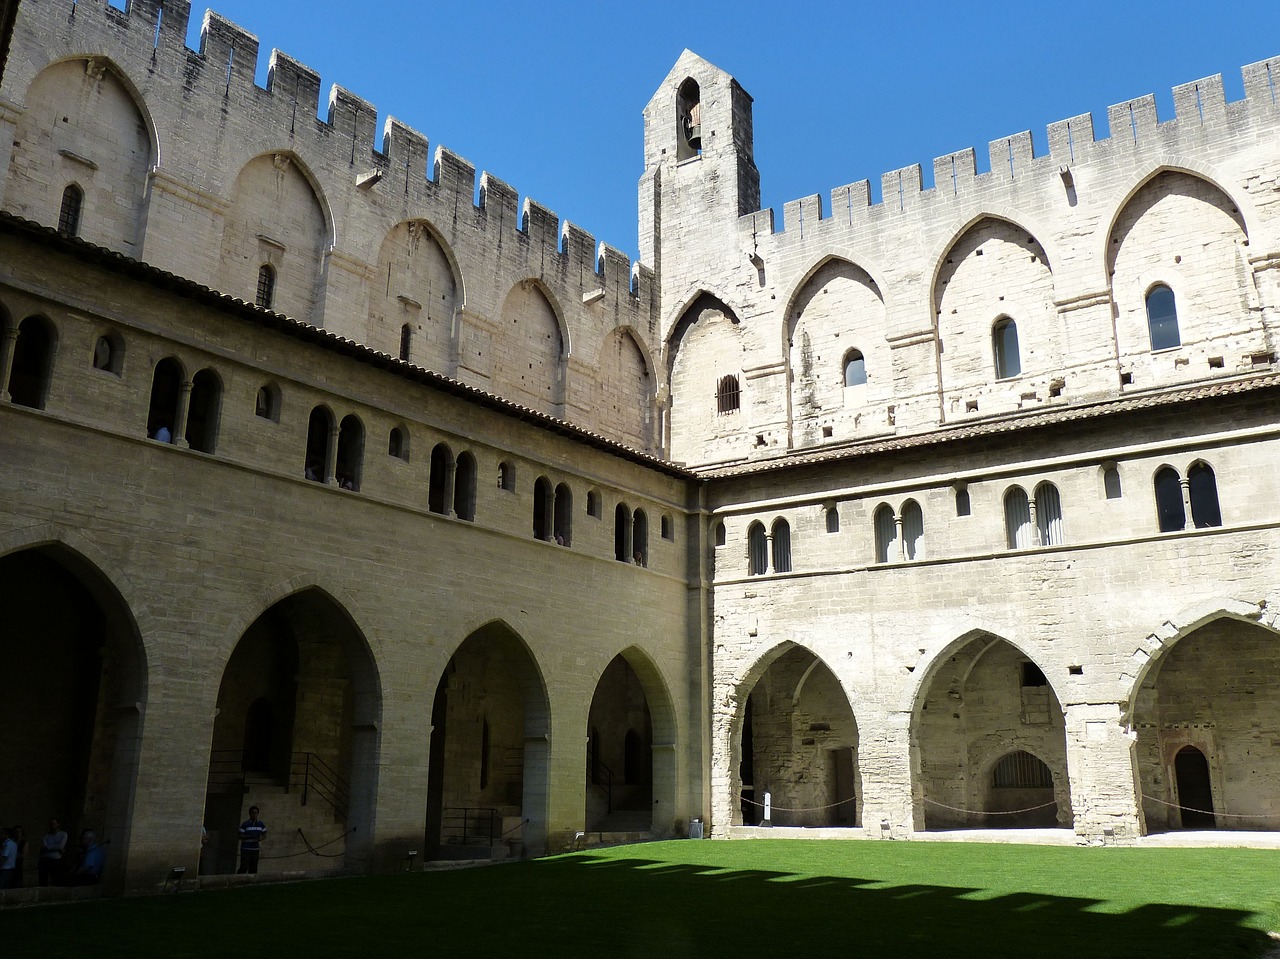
x=342, y=192
x=856, y=315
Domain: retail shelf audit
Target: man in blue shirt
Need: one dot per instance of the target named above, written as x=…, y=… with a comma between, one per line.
x=92, y=858
x=251, y=832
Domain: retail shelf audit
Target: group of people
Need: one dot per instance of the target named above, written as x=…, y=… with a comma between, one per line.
x=51, y=866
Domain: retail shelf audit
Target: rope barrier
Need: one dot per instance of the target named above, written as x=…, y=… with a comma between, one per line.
x=777, y=808
x=1206, y=812
x=987, y=812
x=315, y=850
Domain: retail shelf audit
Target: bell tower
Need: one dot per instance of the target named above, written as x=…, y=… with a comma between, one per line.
x=700, y=174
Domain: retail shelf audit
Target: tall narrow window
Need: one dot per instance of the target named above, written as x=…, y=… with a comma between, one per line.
x=1049, y=515
x=543, y=507
x=202, y=413
x=564, y=515
x=640, y=538
x=757, y=550
x=267, y=403
x=912, y=530
x=964, y=505
x=781, y=546
x=593, y=503
x=1170, y=513
x=350, y=460
x=108, y=353
x=1111, y=482
x=1162, y=318
x=397, y=444
x=319, y=428
x=833, y=519
x=1004, y=344
x=406, y=340
x=32, y=363
x=166, y=389
x=266, y=286
x=719, y=534
x=506, y=477
x=69, y=214
x=728, y=395
x=464, y=487
x=439, y=478
x=886, y=532
x=1203, y=489
x=855, y=368
x=1017, y=519
x=668, y=527
x=622, y=533
x=688, y=120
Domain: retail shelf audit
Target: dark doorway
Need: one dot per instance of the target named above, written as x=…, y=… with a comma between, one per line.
x=1195, y=791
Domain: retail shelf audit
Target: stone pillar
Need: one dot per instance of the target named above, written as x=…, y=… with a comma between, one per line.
x=331, y=457
x=884, y=764
x=1104, y=781
x=7, y=345
x=725, y=756
x=180, y=416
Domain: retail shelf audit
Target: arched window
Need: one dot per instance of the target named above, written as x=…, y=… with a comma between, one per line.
x=506, y=477
x=781, y=535
x=1021, y=770
x=543, y=508
x=266, y=286
x=32, y=363
x=1017, y=519
x=406, y=340
x=1049, y=515
x=728, y=395
x=398, y=443
x=319, y=429
x=1162, y=318
x=166, y=389
x=640, y=538
x=1170, y=513
x=593, y=503
x=622, y=533
x=203, y=410
x=912, y=530
x=963, y=504
x=1111, y=482
x=833, y=519
x=855, y=368
x=1004, y=346
x=267, y=404
x=350, y=453
x=719, y=534
x=688, y=120
x=564, y=515
x=1203, y=489
x=464, y=487
x=440, y=477
x=886, y=532
x=668, y=527
x=69, y=214
x=757, y=550
x=108, y=353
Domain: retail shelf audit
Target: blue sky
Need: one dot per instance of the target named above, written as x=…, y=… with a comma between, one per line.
x=549, y=96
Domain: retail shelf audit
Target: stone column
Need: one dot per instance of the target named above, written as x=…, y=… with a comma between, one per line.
x=1104, y=782
x=884, y=764
x=331, y=457
x=180, y=416
x=7, y=345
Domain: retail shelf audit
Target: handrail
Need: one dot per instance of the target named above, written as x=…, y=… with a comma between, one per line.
x=308, y=772
x=480, y=825
x=599, y=771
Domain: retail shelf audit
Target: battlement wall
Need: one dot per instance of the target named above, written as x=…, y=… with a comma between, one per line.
x=1202, y=115
x=208, y=120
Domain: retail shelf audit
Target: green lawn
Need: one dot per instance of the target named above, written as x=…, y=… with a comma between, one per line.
x=709, y=899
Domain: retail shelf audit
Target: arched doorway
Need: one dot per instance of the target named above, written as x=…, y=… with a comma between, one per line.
x=70, y=715
x=1206, y=715
x=619, y=753
x=295, y=735
x=988, y=742
x=488, y=769
x=799, y=744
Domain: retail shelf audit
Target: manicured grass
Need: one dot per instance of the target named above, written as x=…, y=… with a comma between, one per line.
x=710, y=899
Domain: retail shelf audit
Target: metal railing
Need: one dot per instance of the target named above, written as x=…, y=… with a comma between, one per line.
x=470, y=826
x=308, y=773
x=602, y=778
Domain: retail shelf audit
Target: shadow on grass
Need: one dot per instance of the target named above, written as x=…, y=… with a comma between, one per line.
x=585, y=905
